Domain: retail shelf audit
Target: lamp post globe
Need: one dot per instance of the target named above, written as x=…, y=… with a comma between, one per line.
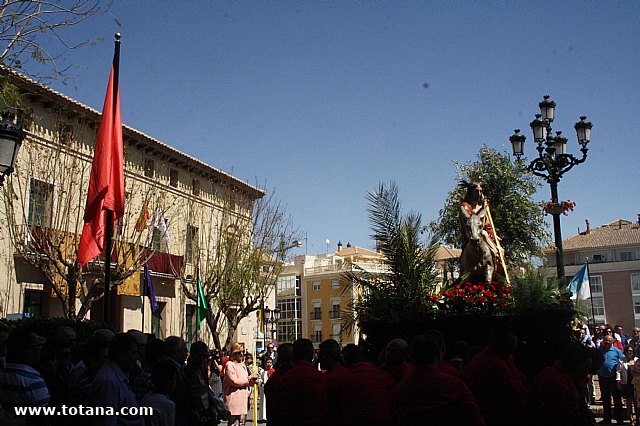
x=560, y=143
x=547, y=108
x=539, y=128
x=583, y=130
x=11, y=137
x=517, y=142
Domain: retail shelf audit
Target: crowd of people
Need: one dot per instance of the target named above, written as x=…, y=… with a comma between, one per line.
x=420, y=382
x=110, y=379
x=619, y=376
x=423, y=383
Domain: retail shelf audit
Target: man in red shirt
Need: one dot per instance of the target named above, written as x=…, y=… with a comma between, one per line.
x=303, y=390
x=443, y=365
x=330, y=360
x=616, y=342
x=499, y=387
x=431, y=395
x=364, y=394
x=395, y=359
x=558, y=389
x=285, y=362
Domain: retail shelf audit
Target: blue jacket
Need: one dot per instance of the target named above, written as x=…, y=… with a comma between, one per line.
x=611, y=358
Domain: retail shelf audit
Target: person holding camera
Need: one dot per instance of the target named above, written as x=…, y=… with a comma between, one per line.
x=215, y=377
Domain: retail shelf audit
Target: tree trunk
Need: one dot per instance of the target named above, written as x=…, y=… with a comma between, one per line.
x=72, y=284
x=232, y=325
x=212, y=328
x=88, y=302
x=84, y=309
x=65, y=305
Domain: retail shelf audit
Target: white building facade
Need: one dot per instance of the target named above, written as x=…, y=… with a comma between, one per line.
x=42, y=212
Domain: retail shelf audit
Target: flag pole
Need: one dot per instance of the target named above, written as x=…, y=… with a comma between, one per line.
x=108, y=246
x=593, y=312
x=197, y=303
x=107, y=267
x=144, y=296
x=256, y=388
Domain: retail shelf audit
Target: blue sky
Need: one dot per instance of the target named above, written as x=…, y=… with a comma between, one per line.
x=324, y=100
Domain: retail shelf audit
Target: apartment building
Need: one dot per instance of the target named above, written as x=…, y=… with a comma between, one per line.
x=43, y=202
x=313, y=295
x=613, y=253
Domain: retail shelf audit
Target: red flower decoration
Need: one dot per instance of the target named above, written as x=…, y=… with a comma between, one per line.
x=557, y=207
x=485, y=298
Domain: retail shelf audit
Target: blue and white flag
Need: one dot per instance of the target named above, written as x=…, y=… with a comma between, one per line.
x=579, y=285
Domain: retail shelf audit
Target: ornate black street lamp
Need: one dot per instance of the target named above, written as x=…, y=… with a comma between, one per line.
x=271, y=317
x=11, y=137
x=553, y=161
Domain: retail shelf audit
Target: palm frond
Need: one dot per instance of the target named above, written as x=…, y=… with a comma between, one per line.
x=384, y=212
x=401, y=292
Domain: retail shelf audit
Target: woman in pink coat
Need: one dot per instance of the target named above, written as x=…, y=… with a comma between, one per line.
x=235, y=385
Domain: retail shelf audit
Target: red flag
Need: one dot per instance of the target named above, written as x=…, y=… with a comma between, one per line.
x=141, y=224
x=106, y=183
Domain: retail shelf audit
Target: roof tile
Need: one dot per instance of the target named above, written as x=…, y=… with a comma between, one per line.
x=617, y=233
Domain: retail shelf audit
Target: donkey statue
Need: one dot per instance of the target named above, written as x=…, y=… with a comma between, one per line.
x=477, y=257
x=480, y=247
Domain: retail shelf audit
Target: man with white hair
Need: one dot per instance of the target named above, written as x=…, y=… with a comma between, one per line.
x=141, y=339
x=140, y=377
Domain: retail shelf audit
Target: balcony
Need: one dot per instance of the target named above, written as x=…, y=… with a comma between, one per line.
x=323, y=268
x=371, y=267
x=334, y=315
x=166, y=263
x=316, y=315
x=608, y=265
x=317, y=338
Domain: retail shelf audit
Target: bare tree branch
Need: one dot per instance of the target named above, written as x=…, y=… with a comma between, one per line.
x=35, y=31
x=240, y=251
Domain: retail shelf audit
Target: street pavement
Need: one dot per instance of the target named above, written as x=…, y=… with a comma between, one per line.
x=595, y=408
x=249, y=421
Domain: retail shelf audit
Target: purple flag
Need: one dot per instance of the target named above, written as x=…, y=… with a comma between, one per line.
x=151, y=293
